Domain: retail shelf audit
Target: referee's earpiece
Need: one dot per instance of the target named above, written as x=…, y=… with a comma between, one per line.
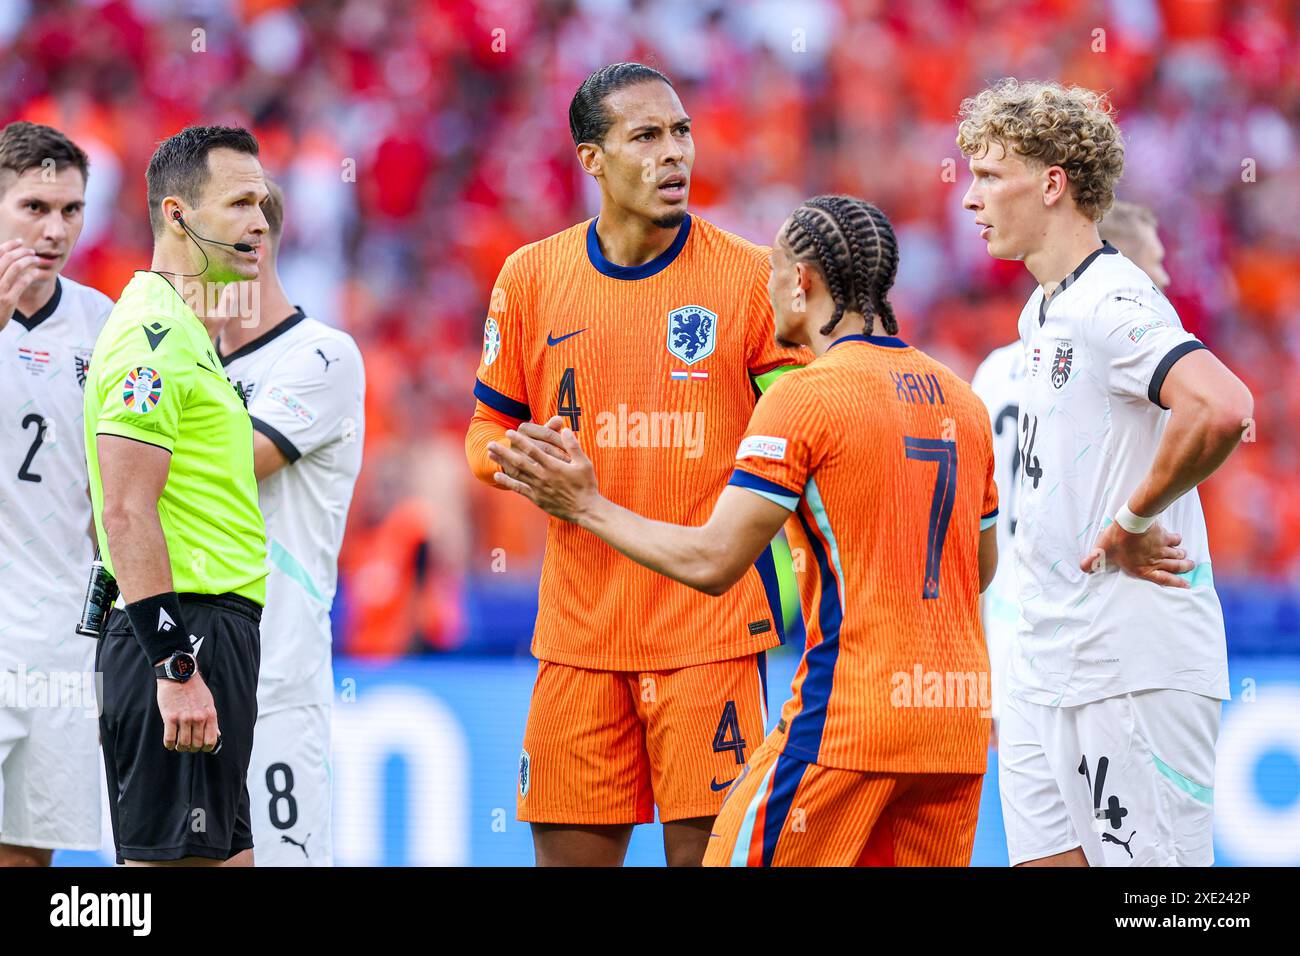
x=194, y=238
x=237, y=246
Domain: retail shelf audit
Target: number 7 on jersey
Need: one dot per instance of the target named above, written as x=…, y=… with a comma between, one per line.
x=945, y=492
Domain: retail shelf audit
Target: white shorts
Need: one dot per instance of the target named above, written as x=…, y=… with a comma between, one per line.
x=1129, y=778
x=289, y=783
x=50, y=764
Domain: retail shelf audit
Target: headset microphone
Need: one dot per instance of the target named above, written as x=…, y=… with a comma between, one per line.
x=194, y=238
x=237, y=246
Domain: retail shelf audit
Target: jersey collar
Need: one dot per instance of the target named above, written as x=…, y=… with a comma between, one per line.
x=656, y=265
x=886, y=341
x=294, y=318
x=162, y=277
x=1106, y=250
x=30, y=322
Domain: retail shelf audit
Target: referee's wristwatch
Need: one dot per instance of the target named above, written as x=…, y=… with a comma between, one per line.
x=180, y=667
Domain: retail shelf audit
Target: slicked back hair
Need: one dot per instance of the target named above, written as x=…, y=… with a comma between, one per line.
x=589, y=121
x=852, y=244
x=179, y=166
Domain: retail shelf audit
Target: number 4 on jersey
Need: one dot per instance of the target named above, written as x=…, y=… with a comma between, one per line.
x=566, y=404
x=727, y=736
x=1029, y=461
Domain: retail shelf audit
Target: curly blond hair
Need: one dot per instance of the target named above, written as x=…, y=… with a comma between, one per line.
x=1054, y=125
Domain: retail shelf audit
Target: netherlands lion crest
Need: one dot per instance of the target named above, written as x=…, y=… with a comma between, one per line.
x=1061, y=364
x=525, y=773
x=692, y=333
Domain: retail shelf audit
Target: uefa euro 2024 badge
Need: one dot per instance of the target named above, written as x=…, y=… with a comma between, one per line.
x=491, y=341
x=142, y=389
x=692, y=333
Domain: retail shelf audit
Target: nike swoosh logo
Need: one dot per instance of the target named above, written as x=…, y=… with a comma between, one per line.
x=552, y=340
x=715, y=786
x=155, y=338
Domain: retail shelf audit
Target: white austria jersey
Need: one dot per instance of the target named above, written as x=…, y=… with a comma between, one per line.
x=1090, y=424
x=45, y=545
x=997, y=382
x=305, y=385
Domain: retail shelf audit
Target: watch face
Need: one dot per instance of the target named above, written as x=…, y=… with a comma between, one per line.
x=183, y=666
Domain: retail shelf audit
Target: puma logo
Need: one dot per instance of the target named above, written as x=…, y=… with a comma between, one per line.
x=328, y=361
x=285, y=838
x=1110, y=838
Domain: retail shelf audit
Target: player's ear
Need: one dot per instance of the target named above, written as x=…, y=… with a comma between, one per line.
x=172, y=213
x=804, y=277
x=1055, y=185
x=591, y=158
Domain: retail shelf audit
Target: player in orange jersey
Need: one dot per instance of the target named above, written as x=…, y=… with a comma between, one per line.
x=649, y=332
x=885, y=458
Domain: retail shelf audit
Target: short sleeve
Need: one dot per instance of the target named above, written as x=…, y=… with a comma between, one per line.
x=313, y=395
x=144, y=378
x=501, y=384
x=762, y=353
x=1139, y=337
x=784, y=443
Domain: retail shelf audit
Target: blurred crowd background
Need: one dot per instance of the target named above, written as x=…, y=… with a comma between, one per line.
x=419, y=143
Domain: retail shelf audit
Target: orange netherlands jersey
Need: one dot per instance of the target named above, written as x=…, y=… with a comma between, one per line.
x=651, y=367
x=886, y=459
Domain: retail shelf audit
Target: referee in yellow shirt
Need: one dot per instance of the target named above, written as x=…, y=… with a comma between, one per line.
x=169, y=447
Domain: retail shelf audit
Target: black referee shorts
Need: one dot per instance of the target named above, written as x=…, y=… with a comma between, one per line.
x=167, y=805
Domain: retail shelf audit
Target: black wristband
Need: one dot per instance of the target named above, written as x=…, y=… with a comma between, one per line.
x=157, y=624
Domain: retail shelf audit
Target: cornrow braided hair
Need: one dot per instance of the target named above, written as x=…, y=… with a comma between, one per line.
x=853, y=245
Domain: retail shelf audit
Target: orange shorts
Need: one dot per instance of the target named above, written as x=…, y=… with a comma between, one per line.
x=607, y=747
x=786, y=812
